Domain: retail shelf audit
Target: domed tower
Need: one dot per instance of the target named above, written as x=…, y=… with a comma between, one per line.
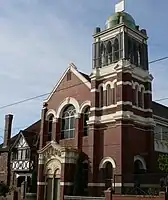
x=121, y=123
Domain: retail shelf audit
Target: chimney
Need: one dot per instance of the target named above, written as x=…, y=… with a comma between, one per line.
x=8, y=128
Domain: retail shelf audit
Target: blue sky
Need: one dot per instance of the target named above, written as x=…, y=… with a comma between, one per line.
x=39, y=38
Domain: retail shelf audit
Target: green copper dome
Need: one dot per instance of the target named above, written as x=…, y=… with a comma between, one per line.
x=118, y=18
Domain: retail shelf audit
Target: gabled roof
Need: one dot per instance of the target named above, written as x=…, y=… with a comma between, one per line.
x=160, y=110
x=30, y=134
x=82, y=76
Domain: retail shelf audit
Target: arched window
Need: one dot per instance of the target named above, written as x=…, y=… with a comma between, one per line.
x=116, y=50
x=139, y=57
x=102, y=54
x=142, y=98
x=109, y=52
x=101, y=96
x=50, y=127
x=68, y=122
x=135, y=54
x=114, y=94
x=108, y=95
x=136, y=93
x=85, y=119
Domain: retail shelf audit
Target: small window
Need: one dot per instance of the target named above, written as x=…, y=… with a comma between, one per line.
x=69, y=76
x=116, y=50
x=101, y=97
x=85, y=119
x=108, y=95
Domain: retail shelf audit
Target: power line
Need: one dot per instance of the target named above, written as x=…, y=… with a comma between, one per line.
x=159, y=59
x=45, y=94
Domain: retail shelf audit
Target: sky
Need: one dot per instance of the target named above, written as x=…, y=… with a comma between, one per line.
x=39, y=38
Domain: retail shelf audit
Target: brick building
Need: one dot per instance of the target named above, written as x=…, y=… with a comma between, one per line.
x=108, y=115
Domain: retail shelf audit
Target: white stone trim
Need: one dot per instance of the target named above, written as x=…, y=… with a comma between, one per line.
x=74, y=70
x=121, y=115
x=120, y=103
x=147, y=92
x=50, y=112
x=105, y=160
x=65, y=102
x=83, y=105
x=141, y=159
x=41, y=159
x=96, y=184
x=62, y=183
x=94, y=90
x=41, y=183
x=124, y=83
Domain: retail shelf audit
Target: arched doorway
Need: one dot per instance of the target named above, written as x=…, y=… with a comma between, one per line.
x=53, y=175
x=108, y=175
x=139, y=170
x=107, y=166
x=139, y=165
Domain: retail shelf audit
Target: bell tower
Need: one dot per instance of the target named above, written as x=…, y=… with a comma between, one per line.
x=121, y=122
x=120, y=72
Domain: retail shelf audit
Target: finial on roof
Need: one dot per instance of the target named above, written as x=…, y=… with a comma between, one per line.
x=72, y=65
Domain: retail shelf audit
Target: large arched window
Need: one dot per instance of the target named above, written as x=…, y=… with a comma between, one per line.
x=142, y=98
x=68, y=122
x=85, y=119
x=50, y=127
x=116, y=50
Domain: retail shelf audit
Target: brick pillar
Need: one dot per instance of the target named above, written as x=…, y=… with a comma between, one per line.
x=43, y=135
x=77, y=131
x=40, y=178
x=54, y=124
x=7, y=131
x=58, y=130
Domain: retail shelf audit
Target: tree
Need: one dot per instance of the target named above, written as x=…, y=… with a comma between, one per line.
x=163, y=162
x=4, y=189
x=79, y=178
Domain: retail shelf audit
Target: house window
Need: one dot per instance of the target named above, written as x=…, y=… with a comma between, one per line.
x=86, y=118
x=68, y=122
x=161, y=133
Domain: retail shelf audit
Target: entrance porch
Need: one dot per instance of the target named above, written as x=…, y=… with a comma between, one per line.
x=56, y=167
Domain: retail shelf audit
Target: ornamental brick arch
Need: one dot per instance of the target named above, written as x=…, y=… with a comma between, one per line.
x=107, y=167
x=66, y=102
